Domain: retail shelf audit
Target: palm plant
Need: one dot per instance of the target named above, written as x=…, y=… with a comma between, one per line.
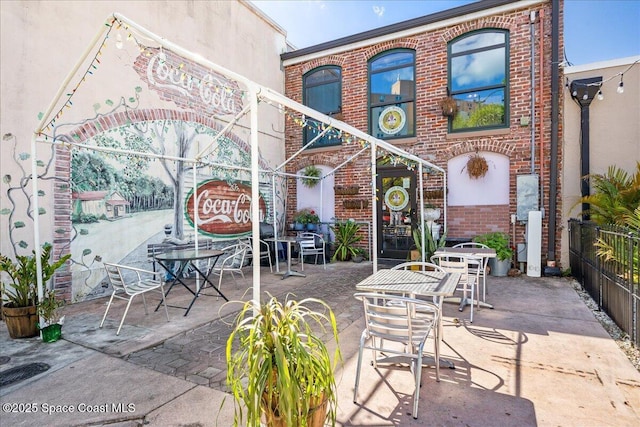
x=278, y=367
x=616, y=194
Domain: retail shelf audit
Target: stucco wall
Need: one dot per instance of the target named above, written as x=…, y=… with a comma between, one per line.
x=42, y=40
x=614, y=130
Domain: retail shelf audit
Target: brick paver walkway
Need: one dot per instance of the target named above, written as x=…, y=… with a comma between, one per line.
x=198, y=355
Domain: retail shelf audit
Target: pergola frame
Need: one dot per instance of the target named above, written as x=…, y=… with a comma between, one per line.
x=255, y=93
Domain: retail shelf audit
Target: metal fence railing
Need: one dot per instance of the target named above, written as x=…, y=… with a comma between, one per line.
x=605, y=261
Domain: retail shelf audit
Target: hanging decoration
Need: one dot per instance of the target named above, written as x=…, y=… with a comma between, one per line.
x=477, y=166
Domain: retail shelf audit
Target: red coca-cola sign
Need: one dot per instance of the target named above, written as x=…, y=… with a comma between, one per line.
x=223, y=209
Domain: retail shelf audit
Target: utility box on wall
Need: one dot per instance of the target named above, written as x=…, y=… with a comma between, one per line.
x=527, y=191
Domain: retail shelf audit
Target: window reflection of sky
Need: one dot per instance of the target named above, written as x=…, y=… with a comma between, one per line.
x=382, y=82
x=478, y=69
x=478, y=41
x=392, y=60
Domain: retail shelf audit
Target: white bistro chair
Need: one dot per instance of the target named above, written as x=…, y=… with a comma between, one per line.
x=311, y=244
x=232, y=263
x=481, y=265
x=398, y=326
x=127, y=285
x=460, y=264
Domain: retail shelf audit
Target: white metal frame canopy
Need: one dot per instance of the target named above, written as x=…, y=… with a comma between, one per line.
x=255, y=94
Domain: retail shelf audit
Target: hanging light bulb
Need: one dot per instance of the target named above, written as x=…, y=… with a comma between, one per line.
x=585, y=96
x=119, y=41
x=600, y=95
x=575, y=93
x=621, y=85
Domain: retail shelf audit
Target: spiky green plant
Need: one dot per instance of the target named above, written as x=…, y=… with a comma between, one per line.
x=278, y=365
x=430, y=244
x=346, y=233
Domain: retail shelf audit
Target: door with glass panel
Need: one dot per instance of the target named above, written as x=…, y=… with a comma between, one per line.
x=396, y=211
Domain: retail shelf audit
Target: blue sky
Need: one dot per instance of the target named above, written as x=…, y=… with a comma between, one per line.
x=595, y=30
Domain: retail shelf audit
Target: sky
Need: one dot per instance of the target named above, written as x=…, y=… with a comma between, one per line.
x=594, y=30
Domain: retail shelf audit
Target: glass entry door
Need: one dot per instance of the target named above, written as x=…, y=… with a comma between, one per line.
x=396, y=212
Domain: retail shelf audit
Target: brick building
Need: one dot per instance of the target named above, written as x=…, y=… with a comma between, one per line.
x=495, y=59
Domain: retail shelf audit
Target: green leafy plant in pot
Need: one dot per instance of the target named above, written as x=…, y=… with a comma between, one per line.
x=48, y=306
x=20, y=294
x=278, y=369
x=499, y=242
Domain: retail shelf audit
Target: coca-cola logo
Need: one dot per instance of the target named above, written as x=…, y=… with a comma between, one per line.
x=188, y=84
x=222, y=209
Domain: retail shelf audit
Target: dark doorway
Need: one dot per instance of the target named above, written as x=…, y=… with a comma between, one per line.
x=396, y=211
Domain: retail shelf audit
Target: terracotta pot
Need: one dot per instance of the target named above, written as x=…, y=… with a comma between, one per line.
x=22, y=322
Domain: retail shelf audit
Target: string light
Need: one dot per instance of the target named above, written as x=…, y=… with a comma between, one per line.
x=621, y=85
x=600, y=95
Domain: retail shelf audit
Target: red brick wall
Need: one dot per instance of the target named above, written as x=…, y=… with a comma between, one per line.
x=432, y=141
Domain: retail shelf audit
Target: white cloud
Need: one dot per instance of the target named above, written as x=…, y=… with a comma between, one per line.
x=378, y=10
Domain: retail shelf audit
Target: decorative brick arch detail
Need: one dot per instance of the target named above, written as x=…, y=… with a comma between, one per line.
x=489, y=145
x=321, y=62
x=324, y=159
x=498, y=22
x=407, y=43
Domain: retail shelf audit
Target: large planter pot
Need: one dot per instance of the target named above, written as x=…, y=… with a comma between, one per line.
x=22, y=322
x=498, y=267
x=317, y=415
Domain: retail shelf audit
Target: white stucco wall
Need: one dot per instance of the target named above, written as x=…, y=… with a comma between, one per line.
x=614, y=137
x=42, y=40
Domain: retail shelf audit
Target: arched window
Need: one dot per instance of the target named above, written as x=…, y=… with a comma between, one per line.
x=478, y=77
x=392, y=94
x=323, y=92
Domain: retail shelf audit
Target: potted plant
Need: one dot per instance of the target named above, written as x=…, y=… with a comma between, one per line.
x=498, y=241
x=278, y=370
x=51, y=328
x=360, y=255
x=20, y=295
x=431, y=244
x=346, y=234
x=307, y=218
x=311, y=173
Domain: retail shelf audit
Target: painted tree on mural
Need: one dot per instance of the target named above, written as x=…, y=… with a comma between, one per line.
x=161, y=137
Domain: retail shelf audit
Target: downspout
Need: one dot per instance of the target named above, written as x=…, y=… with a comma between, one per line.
x=532, y=31
x=541, y=104
x=555, y=103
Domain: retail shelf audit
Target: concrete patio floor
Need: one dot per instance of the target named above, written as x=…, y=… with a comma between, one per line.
x=540, y=358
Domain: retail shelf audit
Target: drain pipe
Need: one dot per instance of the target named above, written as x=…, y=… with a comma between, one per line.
x=555, y=103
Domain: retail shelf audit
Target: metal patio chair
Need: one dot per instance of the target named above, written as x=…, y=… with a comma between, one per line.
x=127, y=285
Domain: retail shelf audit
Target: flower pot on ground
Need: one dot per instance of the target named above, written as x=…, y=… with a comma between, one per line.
x=20, y=294
x=278, y=369
x=499, y=242
x=51, y=327
x=424, y=233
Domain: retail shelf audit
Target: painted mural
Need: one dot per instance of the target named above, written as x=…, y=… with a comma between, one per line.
x=125, y=175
